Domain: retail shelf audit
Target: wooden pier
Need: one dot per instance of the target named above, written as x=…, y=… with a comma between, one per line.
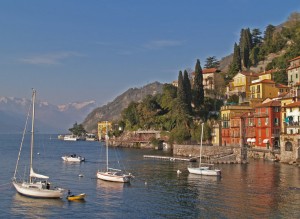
x=192, y=159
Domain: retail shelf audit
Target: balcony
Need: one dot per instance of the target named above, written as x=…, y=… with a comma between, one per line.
x=257, y=115
x=275, y=135
x=292, y=124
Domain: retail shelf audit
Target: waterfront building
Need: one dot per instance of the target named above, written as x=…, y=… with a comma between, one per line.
x=227, y=113
x=290, y=137
x=216, y=134
x=248, y=128
x=235, y=129
x=267, y=119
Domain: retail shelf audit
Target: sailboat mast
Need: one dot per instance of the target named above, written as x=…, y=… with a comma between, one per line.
x=106, y=142
x=201, y=143
x=32, y=131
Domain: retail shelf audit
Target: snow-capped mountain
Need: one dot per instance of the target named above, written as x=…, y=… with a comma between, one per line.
x=50, y=118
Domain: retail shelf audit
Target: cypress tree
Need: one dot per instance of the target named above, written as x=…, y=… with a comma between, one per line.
x=245, y=47
x=181, y=95
x=198, y=86
x=236, y=64
x=188, y=92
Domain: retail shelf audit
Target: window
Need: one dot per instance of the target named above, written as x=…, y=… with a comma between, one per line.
x=288, y=146
x=276, y=121
x=267, y=121
x=259, y=122
x=259, y=133
x=267, y=132
x=258, y=89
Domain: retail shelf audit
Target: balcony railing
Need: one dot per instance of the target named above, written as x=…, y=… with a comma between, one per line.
x=261, y=114
x=292, y=124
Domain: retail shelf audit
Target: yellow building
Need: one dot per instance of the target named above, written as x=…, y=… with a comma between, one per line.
x=102, y=128
x=267, y=74
x=261, y=90
x=240, y=85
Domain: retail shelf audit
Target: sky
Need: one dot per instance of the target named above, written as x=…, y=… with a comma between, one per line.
x=82, y=50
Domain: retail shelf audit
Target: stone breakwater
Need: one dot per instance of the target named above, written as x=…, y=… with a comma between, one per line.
x=215, y=154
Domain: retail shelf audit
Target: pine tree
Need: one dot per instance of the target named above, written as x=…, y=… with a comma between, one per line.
x=256, y=37
x=198, y=86
x=212, y=62
x=187, y=90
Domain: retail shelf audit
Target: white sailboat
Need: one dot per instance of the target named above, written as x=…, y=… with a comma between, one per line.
x=110, y=174
x=204, y=170
x=38, y=185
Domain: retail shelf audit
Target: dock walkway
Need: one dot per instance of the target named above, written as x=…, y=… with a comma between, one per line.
x=193, y=159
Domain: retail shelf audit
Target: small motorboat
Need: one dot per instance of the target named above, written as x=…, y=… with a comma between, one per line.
x=76, y=197
x=73, y=158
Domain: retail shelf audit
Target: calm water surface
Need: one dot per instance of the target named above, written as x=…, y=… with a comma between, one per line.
x=260, y=189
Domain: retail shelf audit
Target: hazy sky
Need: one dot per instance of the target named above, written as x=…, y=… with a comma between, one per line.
x=78, y=50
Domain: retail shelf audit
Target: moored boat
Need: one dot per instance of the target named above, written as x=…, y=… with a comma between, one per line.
x=73, y=158
x=70, y=138
x=111, y=174
x=204, y=170
x=76, y=197
x=37, y=185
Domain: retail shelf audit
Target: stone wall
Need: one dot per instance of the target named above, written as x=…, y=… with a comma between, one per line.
x=216, y=154
x=289, y=148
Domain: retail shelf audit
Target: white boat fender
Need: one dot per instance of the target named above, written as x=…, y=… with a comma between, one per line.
x=178, y=171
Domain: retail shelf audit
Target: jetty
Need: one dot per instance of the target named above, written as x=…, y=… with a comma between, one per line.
x=192, y=159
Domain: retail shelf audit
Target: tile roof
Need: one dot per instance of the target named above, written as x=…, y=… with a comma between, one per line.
x=298, y=57
x=269, y=104
x=209, y=70
x=271, y=71
x=265, y=81
x=295, y=104
x=282, y=86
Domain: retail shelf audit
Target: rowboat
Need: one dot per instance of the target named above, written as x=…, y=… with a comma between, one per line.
x=76, y=197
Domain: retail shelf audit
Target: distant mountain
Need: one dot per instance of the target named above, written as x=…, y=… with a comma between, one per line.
x=49, y=118
x=112, y=111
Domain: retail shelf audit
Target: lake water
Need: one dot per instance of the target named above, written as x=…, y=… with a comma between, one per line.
x=260, y=189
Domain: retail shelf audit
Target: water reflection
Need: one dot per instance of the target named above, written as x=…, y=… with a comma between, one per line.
x=106, y=186
x=195, y=179
x=34, y=208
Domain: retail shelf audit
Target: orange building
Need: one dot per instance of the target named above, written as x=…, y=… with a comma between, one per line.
x=267, y=119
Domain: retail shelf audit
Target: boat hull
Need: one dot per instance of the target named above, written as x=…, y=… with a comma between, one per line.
x=205, y=171
x=76, y=197
x=73, y=159
x=31, y=190
x=113, y=177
